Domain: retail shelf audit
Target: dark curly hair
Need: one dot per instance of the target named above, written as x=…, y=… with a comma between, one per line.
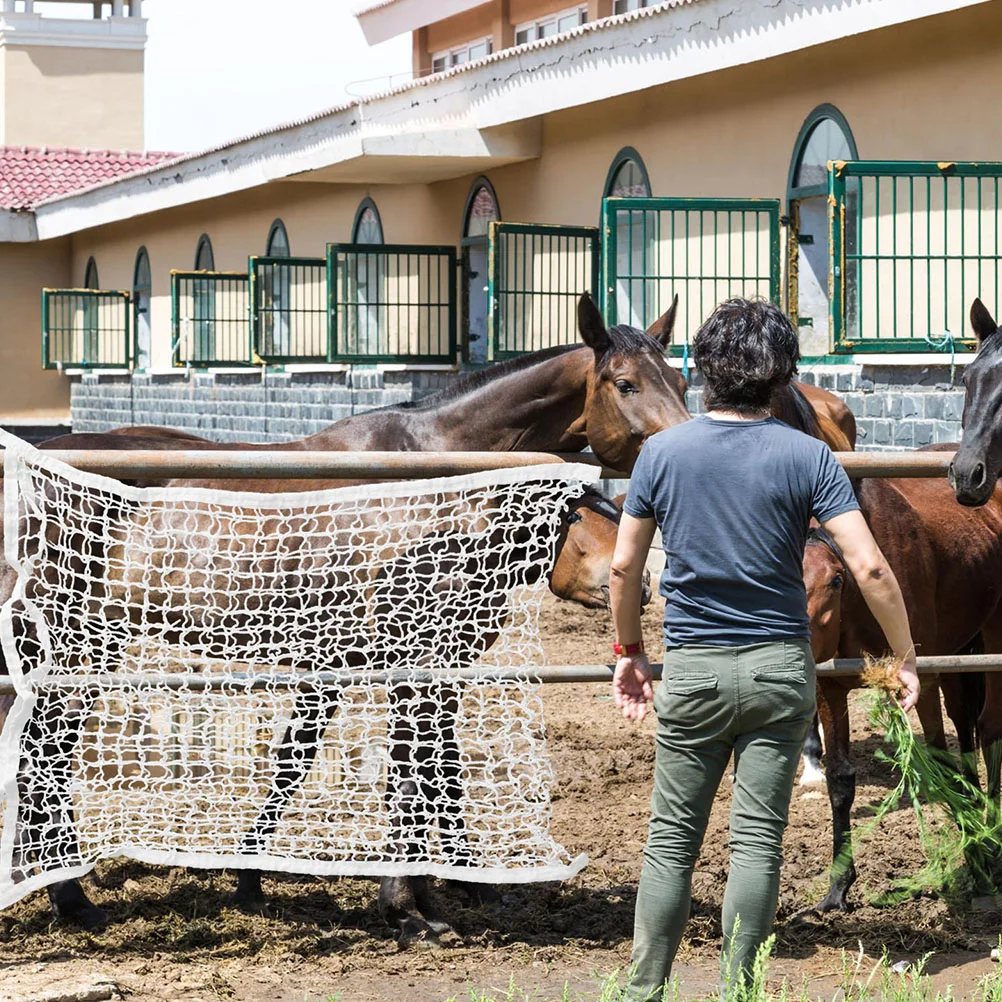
x=745, y=350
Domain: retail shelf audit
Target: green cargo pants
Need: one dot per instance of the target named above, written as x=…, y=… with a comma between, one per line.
x=756, y=701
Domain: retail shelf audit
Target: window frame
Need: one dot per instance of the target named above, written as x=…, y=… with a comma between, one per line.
x=813, y=120
x=535, y=27
x=91, y=280
x=367, y=203
x=449, y=57
x=277, y=227
x=625, y=154
x=205, y=243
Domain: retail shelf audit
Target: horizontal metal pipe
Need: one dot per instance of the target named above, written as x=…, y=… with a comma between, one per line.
x=151, y=463
x=253, y=681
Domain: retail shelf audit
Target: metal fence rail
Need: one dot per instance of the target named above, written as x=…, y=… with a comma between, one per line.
x=704, y=249
x=536, y=274
x=911, y=243
x=148, y=463
x=288, y=297
x=85, y=328
x=392, y=303
x=210, y=318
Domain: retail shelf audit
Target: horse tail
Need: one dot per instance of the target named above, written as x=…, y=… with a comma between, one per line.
x=973, y=689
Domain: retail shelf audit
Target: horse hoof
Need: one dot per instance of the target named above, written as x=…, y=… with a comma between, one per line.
x=417, y=934
x=250, y=904
x=834, y=901
x=84, y=914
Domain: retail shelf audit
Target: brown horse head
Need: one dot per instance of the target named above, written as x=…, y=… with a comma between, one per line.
x=976, y=466
x=633, y=392
x=825, y=580
x=584, y=550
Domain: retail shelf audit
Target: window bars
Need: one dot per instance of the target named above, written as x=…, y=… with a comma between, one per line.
x=912, y=243
x=86, y=329
x=704, y=249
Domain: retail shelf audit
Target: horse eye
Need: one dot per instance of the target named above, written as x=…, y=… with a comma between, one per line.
x=625, y=386
x=574, y=516
x=837, y=581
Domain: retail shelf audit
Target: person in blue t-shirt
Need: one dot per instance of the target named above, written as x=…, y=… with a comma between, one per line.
x=733, y=493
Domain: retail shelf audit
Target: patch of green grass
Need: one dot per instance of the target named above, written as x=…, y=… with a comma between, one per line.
x=857, y=983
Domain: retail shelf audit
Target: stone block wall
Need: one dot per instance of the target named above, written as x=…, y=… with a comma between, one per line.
x=242, y=407
x=896, y=407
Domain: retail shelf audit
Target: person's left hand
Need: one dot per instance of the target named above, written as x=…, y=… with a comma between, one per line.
x=631, y=686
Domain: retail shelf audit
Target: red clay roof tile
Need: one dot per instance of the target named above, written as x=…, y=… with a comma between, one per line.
x=29, y=175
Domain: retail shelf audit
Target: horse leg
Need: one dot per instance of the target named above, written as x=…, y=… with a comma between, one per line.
x=405, y=901
x=311, y=714
x=452, y=822
x=46, y=837
x=811, y=771
x=833, y=709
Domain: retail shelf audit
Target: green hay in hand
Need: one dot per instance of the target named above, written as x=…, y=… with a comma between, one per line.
x=961, y=836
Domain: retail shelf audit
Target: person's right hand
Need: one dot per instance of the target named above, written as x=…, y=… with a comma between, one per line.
x=631, y=686
x=908, y=680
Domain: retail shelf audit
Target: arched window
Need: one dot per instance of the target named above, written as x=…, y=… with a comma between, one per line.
x=367, y=280
x=368, y=227
x=204, y=260
x=278, y=240
x=627, y=177
x=824, y=136
x=481, y=210
x=142, y=289
x=204, y=304
x=91, y=315
x=635, y=232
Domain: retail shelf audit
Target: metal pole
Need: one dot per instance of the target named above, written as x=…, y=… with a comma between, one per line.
x=252, y=681
x=225, y=463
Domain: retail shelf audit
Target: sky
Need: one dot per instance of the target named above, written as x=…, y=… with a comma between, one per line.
x=219, y=69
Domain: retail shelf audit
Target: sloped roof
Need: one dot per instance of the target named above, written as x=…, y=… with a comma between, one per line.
x=29, y=175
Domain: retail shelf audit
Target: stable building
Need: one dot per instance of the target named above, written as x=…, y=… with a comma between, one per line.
x=837, y=156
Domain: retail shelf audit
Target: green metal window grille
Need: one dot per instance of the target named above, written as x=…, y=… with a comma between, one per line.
x=289, y=308
x=704, y=249
x=911, y=243
x=210, y=315
x=86, y=329
x=392, y=303
x=535, y=276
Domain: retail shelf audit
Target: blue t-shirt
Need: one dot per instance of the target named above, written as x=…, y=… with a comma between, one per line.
x=733, y=500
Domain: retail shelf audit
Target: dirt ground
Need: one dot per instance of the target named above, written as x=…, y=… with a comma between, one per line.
x=173, y=935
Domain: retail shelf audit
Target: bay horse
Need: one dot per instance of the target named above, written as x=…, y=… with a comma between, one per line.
x=948, y=562
x=612, y=393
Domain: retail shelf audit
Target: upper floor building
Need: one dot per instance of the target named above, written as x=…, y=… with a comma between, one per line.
x=456, y=32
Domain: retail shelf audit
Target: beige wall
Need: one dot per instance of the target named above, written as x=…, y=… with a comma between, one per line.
x=28, y=392
x=916, y=92
x=61, y=96
x=465, y=27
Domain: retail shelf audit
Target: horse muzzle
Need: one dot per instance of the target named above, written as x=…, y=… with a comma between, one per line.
x=971, y=481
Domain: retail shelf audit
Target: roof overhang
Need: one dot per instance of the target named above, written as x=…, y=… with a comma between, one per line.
x=382, y=21
x=17, y=227
x=488, y=113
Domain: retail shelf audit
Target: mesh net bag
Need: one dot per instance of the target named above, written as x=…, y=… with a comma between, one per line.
x=336, y=682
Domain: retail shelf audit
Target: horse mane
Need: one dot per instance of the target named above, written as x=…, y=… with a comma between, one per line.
x=791, y=407
x=473, y=381
x=623, y=340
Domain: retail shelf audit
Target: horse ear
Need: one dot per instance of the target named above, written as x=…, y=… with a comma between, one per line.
x=592, y=326
x=662, y=328
x=982, y=321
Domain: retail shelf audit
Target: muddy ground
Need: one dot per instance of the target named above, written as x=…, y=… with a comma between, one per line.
x=173, y=935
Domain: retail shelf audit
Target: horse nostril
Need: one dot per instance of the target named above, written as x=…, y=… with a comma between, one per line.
x=951, y=477
x=978, y=476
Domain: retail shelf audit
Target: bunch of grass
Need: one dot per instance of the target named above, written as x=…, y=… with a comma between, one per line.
x=958, y=825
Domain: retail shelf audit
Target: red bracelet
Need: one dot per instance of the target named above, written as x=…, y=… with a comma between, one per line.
x=626, y=650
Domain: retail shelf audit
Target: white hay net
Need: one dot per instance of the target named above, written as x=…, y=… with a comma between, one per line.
x=338, y=682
